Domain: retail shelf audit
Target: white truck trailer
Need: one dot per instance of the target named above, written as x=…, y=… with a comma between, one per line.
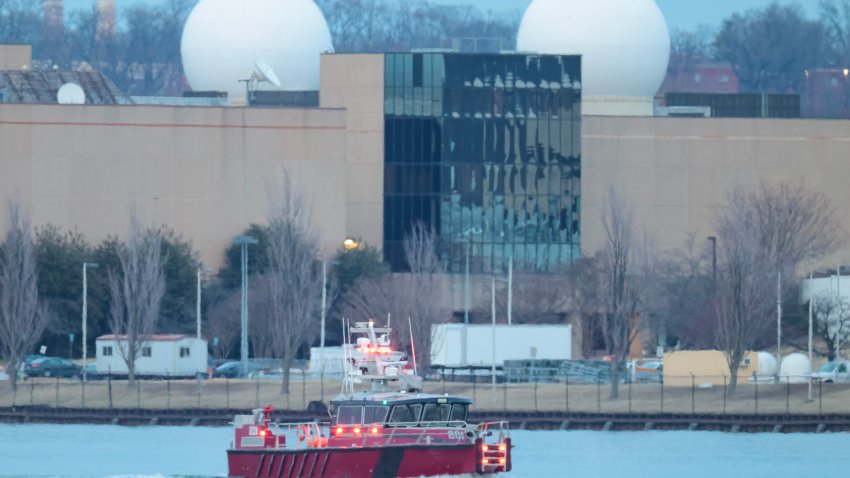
x=168, y=355
x=512, y=342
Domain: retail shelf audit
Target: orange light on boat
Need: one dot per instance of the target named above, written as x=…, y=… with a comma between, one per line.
x=375, y=430
x=502, y=448
x=339, y=431
x=262, y=433
x=485, y=461
x=502, y=461
x=356, y=430
x=485, y=448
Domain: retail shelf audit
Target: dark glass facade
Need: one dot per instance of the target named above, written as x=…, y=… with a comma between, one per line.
x=486, y=149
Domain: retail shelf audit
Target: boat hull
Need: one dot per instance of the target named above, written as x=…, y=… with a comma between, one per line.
x=378, y=462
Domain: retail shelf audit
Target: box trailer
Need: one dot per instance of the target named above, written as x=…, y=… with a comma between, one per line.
x=450, y=342
x=168, y=355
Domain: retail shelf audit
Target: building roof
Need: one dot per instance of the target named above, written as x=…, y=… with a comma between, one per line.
x=150, y=338
x=23, y=86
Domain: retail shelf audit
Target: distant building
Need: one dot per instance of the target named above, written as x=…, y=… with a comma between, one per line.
x=702, y=78
x=826, y=93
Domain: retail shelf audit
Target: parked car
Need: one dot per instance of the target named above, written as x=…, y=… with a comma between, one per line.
x=647, y=370
x=833, y=372
x=234, y=370
x=52, y=367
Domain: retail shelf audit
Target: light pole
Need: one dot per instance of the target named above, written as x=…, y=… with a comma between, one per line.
x=201, y=271
x=243, y=242
x=811, y=301
x=322, y=330
x=86, y=266
x=713, y=240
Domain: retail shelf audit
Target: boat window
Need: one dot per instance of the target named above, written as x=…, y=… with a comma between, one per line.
x=405, y=413
x=436, y=412
x=349, y=415
x=375, y=414
x=458, y=412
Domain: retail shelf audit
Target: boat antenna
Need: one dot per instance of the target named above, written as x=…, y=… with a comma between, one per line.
x=412, y=346
x=388, y=320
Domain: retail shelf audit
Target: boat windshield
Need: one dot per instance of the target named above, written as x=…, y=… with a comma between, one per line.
x=459, y=412
x=375, y=414
x=349, y=415
x=437, y=412
x=407, y=413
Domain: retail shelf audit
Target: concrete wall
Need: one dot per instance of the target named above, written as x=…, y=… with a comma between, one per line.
x=676, y=172
x=15, y=57
x=356, y=83
x=206, y=172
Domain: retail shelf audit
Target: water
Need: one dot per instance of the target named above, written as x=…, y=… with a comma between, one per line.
x=111, y=451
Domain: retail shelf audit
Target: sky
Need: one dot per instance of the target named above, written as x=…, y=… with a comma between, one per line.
x=680, y=14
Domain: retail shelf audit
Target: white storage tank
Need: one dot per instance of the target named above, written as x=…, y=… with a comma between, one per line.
x=794, y=368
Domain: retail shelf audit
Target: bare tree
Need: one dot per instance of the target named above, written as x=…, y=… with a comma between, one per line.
x=586, y=300
x=831, y=323
x=426, y=291
x=136, y=291
x=294, y=277
x=746, y=279
x=621, y=286
x=536, y=298
x=22, y=317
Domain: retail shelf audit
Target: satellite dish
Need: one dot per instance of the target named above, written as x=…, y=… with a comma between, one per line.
x=264, y=72
x=71, y=94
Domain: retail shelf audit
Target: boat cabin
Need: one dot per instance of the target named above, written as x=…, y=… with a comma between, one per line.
x=394, y=410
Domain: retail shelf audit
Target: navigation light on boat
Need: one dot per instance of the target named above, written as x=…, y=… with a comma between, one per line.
x=356, y=430
x=485, y=461
x=502, y=448
x=262, y=432
x=485, y=448
x=375, y=430
x=338, y=431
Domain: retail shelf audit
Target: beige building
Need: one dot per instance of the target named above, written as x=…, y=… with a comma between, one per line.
x=207, y=172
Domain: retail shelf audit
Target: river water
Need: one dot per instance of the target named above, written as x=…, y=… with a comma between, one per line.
x=115, y=451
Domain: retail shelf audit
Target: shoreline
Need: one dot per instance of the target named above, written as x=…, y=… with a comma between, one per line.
x=520, y=420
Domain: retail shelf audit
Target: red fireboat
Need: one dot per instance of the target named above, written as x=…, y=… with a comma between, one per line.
x=390, y=430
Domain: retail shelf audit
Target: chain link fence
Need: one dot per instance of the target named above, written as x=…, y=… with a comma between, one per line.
x=559, y=393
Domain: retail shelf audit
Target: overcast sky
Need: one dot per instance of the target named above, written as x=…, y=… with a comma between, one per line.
x=681, y=14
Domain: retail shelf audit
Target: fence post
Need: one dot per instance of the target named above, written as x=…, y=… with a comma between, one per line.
x=820, y=397
x=756, y=382
x=167, y=393
x=83, y=394
x=598, y=393
x=630, y=395
x=505, y=397
x=724, y=394
x=567, y=392
x=198, y=385
x=474, y=387
x=443, y=379
x=109, y=387
x=788, y=396
x=57, y=392
x=693, y=395
x=662, y=396
x=257, y=388
x=303, y=389
x=535, y=394
x=227, y=391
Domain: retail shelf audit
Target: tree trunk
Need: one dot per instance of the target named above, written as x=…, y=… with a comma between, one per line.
x=733, y=381
x=12, y=372
x=614, y=373
x=131, y=371
x=830, y=350
x=286, y=364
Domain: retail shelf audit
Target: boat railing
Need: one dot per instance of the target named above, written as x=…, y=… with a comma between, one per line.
x=299, y=434
x=501, y=428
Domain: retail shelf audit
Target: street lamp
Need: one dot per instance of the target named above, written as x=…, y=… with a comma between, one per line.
x=86, y=266
x=243, y=242
x=201, y=271
x=350, y=244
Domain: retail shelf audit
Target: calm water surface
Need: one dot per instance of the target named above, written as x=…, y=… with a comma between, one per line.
x=113, y=451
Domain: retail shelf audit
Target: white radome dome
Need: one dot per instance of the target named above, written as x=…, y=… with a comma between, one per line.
x=625, y=44
x=794, y=367
x=222, y=39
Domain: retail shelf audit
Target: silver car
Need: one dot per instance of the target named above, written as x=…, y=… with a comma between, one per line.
x=833, y=372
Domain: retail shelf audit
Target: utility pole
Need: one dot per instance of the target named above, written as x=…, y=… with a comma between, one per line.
x=778, y=322
x=510, y=287
x=493, y=316
x=243, y=242
x=322, y=329
x=86, y=265
x=811, y=302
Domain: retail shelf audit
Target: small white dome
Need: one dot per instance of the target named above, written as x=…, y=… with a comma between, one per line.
x=767, y=365
x=625, y=44
x=222, y=40
x=793, y=368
